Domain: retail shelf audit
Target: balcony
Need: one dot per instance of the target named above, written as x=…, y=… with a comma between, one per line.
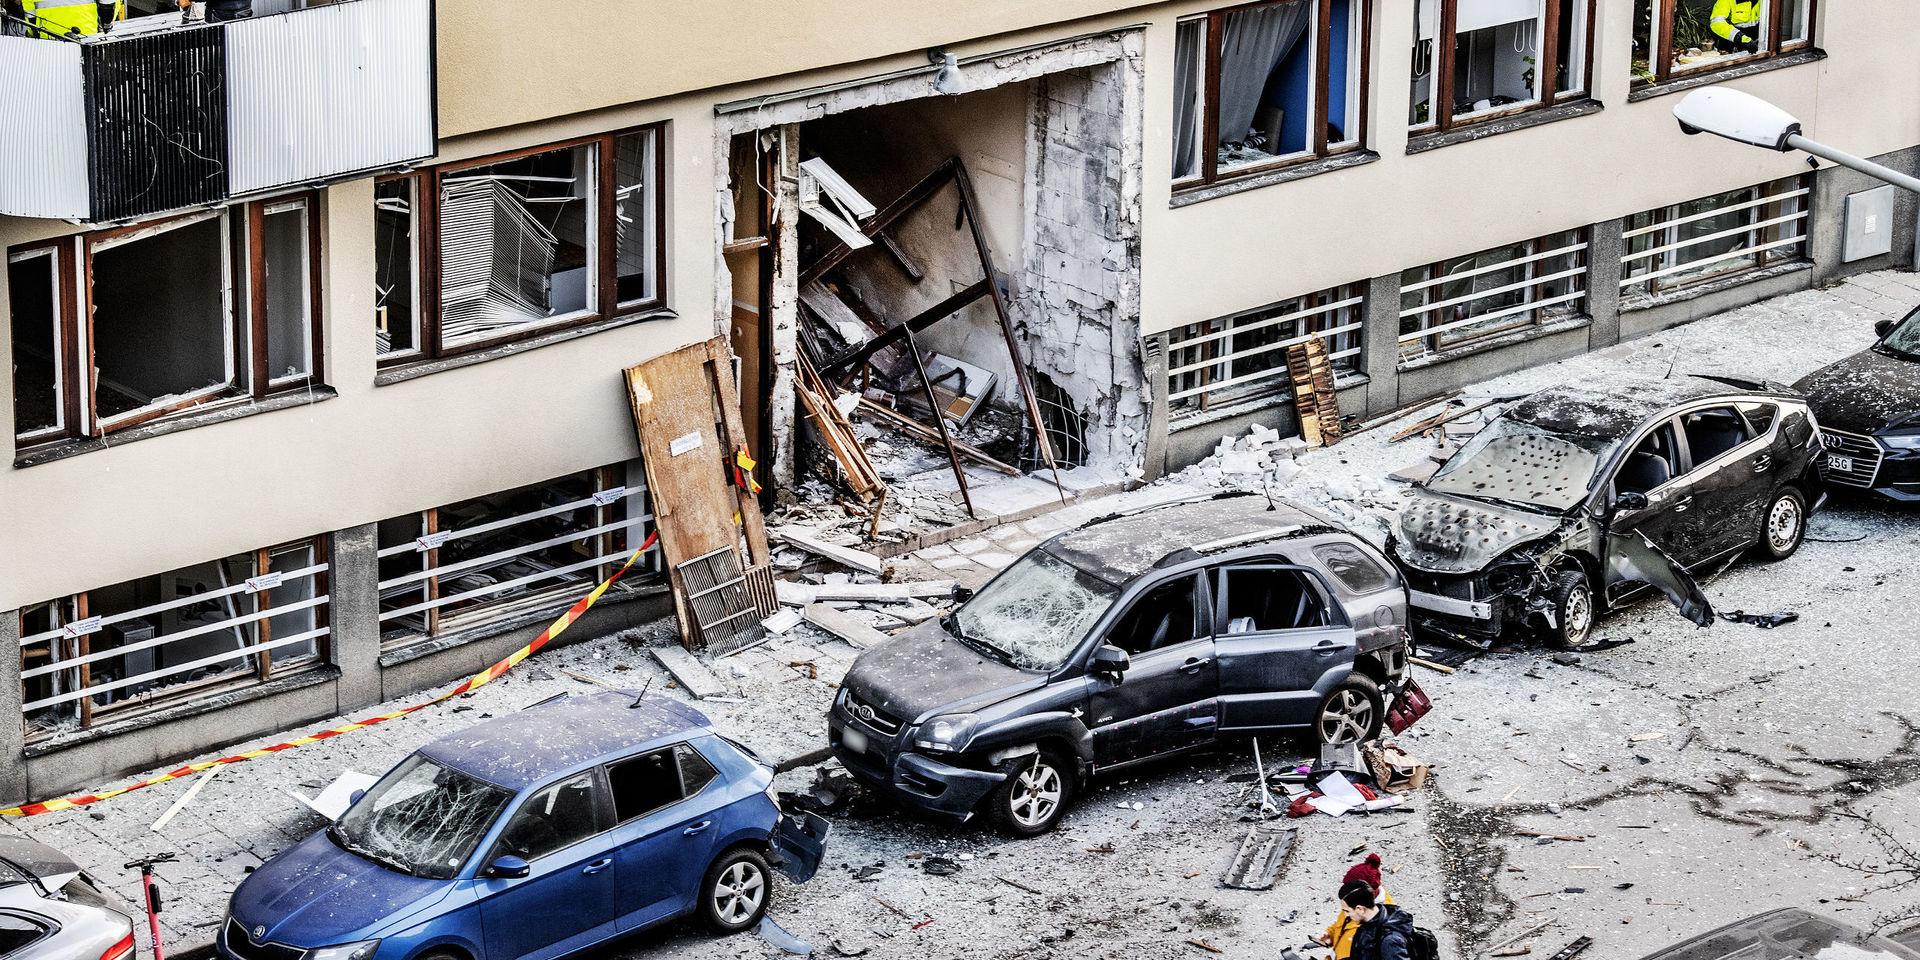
x=159, y=114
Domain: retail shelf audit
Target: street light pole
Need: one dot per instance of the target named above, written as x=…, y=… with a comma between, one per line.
x=1851, y=162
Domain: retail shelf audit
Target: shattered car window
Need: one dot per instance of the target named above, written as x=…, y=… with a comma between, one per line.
x=1903, y=341
x=1036, y=612
x=422, y=819
x=1512, y=461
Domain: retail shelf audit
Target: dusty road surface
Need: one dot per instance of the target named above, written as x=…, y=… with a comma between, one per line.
x=1635, y=796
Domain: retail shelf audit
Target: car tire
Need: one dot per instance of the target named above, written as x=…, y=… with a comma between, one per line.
x=1783, y=528
x=736, y=890
x=1570, y=599
x=1034, y=796
x=1352, y=712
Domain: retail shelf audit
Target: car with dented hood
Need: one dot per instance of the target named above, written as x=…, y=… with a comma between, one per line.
x=530, y=836
x=1581, y=496
x=1869, y=411
x=51, y=910
x=1133, y=637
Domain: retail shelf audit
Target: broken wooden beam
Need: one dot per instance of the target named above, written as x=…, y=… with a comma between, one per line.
x=843, y=625
x=1442, y=417
x=845, y=556
x=892, y=418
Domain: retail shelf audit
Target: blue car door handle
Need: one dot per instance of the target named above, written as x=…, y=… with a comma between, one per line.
x=597, y=865
x=696, y=828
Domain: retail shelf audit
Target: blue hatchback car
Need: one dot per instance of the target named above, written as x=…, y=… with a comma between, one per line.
x=530, y=836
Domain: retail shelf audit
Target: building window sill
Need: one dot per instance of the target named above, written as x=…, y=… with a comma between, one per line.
x=399, y=374
x=1636, y=302
x=408, y=649
x=1188, y=420
x=144, y=721
x=1747, y=68
x=1183, y=196
x=1493, y=127
x=1495, y=343
x=188, y=419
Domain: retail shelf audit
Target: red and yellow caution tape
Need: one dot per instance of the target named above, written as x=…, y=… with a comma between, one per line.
x=472, y=683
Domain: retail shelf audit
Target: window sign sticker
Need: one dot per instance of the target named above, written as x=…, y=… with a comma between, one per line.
x=432, y=541
x=607, y=497
x=265, y=581
x=80, y=628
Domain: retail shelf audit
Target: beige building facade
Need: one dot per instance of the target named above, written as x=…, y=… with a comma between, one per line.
x=309, y=447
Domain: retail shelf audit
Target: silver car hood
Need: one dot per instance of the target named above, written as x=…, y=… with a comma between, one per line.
x=49, y=866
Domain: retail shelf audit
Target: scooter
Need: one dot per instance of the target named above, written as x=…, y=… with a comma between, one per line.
x=151, y=893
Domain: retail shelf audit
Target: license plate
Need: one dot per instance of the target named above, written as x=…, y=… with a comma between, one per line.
x=1840, y=463
x=853, y=740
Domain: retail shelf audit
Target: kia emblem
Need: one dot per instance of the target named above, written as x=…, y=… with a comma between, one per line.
x=864, y=712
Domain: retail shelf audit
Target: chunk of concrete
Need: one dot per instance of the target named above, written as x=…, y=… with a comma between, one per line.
x=692, y=675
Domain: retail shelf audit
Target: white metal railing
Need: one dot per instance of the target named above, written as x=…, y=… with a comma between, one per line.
x=1573, y=274
x=1794, y=221
x=1709, y=261
x=90, y=626
x=1234, y=327
x=1425, y=332
x=1502, y=265
x=635, y=526
x=1716, y=211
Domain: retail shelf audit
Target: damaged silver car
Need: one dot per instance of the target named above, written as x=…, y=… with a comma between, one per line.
x=1579, y=497
x=1131, y=638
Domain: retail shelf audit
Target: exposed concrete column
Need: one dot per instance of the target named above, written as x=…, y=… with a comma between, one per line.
x=1381, y=344
x=13, y=733
x=1605, y=246
x=784, y=311
x=1153, y=362
x=354, y=585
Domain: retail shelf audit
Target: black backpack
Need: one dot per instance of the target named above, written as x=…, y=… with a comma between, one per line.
x=1423, y=945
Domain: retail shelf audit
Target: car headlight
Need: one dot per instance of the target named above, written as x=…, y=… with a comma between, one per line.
x=359, y=950
x=1901, y=441
x=947, y=734
x=840, y=699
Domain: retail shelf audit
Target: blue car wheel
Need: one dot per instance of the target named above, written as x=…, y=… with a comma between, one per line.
x=735, y=893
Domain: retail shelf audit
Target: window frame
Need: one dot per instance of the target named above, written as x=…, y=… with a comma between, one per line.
x=1660, y=35
x=76, y=608
x=1330, y=605
x=1207, y=153
x=245, y=349
x=1766, y=204
x=602, y=814
x=605, y=303
x=1546, y=68
x=1445, y=337
x=1198, y=350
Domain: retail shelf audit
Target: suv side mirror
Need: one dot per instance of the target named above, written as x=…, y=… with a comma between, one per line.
x=962, y=594
x=1630, y=501
x=1882, y=327
x=1110, y=660
x=507, y=868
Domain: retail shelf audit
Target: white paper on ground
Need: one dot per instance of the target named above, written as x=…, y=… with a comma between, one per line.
x=1337, y=795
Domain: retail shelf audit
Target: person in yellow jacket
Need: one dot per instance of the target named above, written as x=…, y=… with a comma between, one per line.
x=68, y=17
x=1736, y=25
x=1340, y=932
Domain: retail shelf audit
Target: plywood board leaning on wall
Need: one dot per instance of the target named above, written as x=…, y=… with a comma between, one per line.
x=687, y=413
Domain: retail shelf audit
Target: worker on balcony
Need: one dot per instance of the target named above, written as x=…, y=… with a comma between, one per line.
x=1736, y=25
x=221, y=11
x=68, y=17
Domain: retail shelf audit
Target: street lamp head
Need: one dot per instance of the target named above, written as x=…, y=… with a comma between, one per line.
x=1737, y=116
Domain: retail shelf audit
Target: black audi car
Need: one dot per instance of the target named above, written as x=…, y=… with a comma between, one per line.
x=1131, y=638
x=1580, y=496
x=1869, y=411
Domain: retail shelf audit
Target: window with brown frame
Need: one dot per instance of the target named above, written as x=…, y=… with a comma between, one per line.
x=509, y=554
x=1268, y=84
x=119, y=327
x=483, y=252
x=154, y=641
x=1675, y=38
x=1478, y=59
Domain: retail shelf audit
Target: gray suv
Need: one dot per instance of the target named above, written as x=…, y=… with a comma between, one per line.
x=1133, y=637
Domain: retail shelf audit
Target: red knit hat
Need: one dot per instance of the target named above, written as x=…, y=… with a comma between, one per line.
x=1368, y=871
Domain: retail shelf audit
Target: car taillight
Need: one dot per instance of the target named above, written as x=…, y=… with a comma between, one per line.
x=120, y=951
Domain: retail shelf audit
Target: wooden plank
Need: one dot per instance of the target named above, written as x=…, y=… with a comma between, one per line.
x=1440, y=418
x=692, y=675
x=845, y=556
x=843, y=626
x=806, y=594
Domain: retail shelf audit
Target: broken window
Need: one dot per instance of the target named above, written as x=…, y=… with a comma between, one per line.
x=1244, y=356
x=1265, y=84
x=1260, y=599
x=1458, y=302
x=1478, y=59
x=523, y=244
x=396, y=266
x=695, y=771
x=251, y=617
x=1760, y=416
x=1712, y=432
x=516, y=553
x=556, y=817
x=421, y=817
x=233, y=315
x=1673, y=38
x=1164, y=617
x=1354, y=568
x=1655, y=461
x=1035, y=612
x=644, y=784
x=1744, y=230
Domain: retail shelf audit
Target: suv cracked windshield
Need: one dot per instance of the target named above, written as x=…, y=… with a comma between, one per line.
x=423, y=819
x=1035, y=613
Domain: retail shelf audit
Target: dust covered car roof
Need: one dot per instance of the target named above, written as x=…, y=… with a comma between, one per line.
x=526, y=748
x=1612, y=410
x=1121, y=547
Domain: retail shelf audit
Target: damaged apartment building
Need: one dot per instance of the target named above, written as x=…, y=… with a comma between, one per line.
x=321, y=317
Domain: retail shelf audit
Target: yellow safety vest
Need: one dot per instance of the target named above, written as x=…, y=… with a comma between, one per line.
x=64, y=17
x=1730, y=16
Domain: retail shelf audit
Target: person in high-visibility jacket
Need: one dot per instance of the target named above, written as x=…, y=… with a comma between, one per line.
x=1736, y=24
x=67, y=17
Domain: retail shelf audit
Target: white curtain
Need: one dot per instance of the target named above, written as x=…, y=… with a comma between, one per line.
x=1189, y=58
x=1252, y=44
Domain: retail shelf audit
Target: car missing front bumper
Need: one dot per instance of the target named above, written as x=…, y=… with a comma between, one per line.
x=1450, y=606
